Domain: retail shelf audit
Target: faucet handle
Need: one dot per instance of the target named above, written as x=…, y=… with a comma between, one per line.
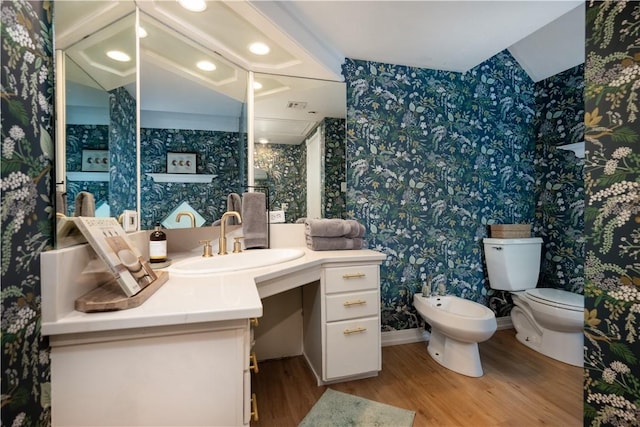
x=237, y=246
x=207, y=250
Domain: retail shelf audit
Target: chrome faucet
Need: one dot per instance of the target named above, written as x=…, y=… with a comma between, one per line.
x=439, y=285
x=222, y=242
x=190, y=215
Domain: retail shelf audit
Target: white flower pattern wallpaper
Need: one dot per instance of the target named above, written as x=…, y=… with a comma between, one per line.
x=612, y=215
x=425, y=187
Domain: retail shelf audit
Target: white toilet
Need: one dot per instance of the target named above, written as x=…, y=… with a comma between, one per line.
x=457, y=326
x=549, y=321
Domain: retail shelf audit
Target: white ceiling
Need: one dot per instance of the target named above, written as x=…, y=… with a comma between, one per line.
x=451, y=35
x=311, y=39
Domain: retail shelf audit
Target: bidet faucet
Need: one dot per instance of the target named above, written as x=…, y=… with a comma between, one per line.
x=439, y=285
x=222, y=241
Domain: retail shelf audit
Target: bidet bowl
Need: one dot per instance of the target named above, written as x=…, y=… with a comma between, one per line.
x=456, y=317
x=253, y=258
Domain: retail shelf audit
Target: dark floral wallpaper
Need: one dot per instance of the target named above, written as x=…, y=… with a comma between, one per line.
x=81, y=137
x=286, y=168
x=559, y=217
x=123, y=180
x=27, y=212
x=217, y=154
x=334, y=202
x=612, y=214
x=434, y=157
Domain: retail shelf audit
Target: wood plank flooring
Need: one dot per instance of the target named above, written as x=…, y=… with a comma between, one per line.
x=520, y=387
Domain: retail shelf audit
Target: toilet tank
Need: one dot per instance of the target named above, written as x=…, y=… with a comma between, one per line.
x=513, y=264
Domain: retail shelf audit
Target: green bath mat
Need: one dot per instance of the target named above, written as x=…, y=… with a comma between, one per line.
x=336, y=409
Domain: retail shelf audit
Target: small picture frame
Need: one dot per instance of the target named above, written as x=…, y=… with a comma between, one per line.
x=181, y=162
x=95, y=160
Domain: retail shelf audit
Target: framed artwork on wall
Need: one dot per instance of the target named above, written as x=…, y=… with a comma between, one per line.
x=95, y=160
x=181, y=162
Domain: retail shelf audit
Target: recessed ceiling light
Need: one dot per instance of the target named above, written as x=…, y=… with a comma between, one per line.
x=259, y=48
x=142, y=33
x=118, y=56
x=193, y=5
x=263, y=140
x=257, y=85
x=206, y=65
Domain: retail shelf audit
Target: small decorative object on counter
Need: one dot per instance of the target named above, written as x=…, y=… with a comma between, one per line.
x=158, y=245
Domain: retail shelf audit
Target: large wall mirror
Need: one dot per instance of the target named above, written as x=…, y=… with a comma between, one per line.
x=192, y=133
x=177, y=132
x=99, y=132
x=299, y=145
x=180, y=125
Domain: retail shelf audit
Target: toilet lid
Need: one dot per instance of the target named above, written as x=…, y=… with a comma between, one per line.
x=556, y=297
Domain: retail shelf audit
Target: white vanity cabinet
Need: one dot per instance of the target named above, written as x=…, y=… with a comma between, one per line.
x=183, y=358
x=195, y=375
x=341, y=321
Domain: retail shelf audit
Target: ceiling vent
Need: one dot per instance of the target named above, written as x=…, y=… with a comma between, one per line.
x=296, y=105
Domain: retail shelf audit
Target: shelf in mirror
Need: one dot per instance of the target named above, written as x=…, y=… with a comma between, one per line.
x=88, y=176
x=181, y=177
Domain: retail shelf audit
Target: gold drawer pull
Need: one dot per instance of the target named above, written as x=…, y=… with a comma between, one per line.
x=354, y=331
x=351, y=303
x=353, y=276
x=253, y=321
x=254, y=407
x=253, y=363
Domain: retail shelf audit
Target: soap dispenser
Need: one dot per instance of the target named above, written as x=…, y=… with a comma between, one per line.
x=157, y=245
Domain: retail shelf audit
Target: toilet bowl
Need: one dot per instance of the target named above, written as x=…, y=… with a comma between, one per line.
x=457, y=326
x=549, y=321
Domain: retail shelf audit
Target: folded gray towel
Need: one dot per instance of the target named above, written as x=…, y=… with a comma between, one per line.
x=355, y=229
x=255, y=227
x=234, y=203
x=85, y=204
x=333, y=243
x=326, y=227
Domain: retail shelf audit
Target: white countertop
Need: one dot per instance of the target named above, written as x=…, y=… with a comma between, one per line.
x=187, y=300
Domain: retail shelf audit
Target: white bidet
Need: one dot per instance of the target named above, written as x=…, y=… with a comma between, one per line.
x=457, y=326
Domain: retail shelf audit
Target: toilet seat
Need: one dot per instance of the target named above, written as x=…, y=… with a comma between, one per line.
x=557, y=298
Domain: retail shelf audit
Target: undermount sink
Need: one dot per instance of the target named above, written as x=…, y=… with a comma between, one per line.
x=252, y=258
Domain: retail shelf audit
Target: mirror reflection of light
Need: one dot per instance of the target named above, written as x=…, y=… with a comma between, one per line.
x=117, y=55
x=142, y=33
x=259, y=48
x=263, y=140
x=193, y=5
x=206, y=65
x=257, y=85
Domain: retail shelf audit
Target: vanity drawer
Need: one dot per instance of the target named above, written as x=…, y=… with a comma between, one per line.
x=353, y=278
x=353, y=347
x=352, y=305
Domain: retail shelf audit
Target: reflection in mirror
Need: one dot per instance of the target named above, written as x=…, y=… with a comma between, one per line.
x=188, y=112
x=299, y=145
x=100, y=89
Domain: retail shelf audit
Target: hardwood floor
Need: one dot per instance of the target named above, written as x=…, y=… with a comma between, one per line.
x=520, y=387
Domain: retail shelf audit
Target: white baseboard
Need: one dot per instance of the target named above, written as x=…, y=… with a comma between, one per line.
x=404, y=336
x=408, y=336
x=504, y=322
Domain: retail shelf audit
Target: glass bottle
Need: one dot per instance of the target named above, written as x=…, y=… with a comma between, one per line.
x=157, y=245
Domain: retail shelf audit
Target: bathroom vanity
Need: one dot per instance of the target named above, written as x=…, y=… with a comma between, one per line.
x=184, y=356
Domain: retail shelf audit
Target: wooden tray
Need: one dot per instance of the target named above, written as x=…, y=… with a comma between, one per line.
x=110, y=297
